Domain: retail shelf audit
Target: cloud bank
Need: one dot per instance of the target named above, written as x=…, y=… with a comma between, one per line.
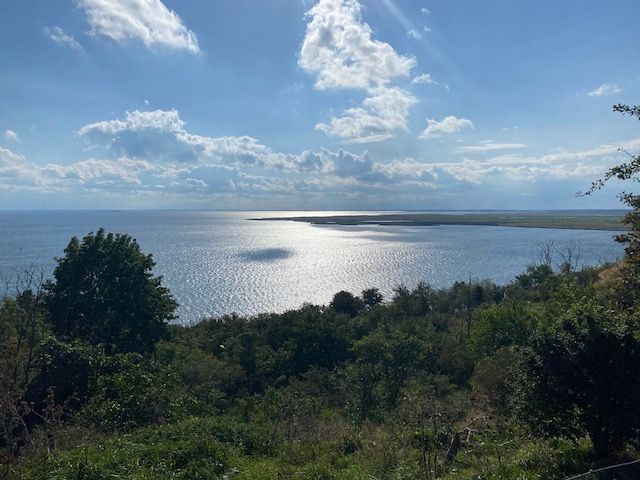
x=152, y=154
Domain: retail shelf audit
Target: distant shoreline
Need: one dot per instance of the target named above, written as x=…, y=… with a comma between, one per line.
x=573, y=221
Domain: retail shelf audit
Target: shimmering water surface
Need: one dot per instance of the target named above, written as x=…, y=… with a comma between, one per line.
x=222, y=262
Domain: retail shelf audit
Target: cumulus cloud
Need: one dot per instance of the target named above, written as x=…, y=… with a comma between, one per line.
x=346, y=164
x=605, y=89
x=384, y=111
x=339, y=50
x=449, y=125
x=11, y=136
x=59, y=36
x=338, y=47
x=414, y=34
x=161, y=135
x=147, y=21
x=408, y=168
x=153, y=152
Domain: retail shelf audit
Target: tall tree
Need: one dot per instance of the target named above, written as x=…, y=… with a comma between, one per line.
x=104, y=292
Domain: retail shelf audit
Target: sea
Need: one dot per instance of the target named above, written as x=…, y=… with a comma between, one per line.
x=217, y=263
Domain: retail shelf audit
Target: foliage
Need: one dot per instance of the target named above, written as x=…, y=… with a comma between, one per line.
x=347, y=303
x=502, y=325
x=581, y=377
x=70, y=369
x=104, y=293
x=627, y=171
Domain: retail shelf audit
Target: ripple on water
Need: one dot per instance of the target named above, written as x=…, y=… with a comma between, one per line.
x=217, y=263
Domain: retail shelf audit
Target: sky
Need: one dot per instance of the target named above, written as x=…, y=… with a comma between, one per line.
x=315, y=104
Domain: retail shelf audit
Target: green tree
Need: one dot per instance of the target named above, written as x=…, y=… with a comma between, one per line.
x=371, y=297
x=104, y=292
x=626, y=171
x=346, y=303
x=501, y=325
x=70, y=369
x=582, y=376
x=384, y=362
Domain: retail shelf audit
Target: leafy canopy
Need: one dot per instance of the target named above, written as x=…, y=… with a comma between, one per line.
x=104, y=292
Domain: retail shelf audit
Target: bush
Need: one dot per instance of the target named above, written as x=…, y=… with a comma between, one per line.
x=69, y=369
x=582, y=376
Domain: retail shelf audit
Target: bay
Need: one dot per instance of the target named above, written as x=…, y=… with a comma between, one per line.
x=216, y=263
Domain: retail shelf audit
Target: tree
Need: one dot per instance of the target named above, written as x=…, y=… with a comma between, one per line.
x=347, y=303
x=371, y=297
x=104, y=292
x=625, y=171
x=501, y=325
x=384, y=361
x=582, y=376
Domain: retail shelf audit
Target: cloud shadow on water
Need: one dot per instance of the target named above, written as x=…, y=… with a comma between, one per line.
x=267, y=254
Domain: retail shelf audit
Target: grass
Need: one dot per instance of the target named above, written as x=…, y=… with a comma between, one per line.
x=587, y=220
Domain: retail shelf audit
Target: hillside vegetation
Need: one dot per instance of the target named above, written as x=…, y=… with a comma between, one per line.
x=535, y=379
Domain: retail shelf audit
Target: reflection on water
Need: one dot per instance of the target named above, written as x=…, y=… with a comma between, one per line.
x=221, y=262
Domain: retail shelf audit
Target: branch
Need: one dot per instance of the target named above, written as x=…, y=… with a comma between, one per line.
x=598, y=470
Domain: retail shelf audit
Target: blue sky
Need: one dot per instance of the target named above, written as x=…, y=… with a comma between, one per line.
x=325, y=104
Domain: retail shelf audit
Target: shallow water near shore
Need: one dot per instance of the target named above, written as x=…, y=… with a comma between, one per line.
x=217, y=263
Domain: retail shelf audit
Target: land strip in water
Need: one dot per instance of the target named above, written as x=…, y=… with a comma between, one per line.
x=577, y=220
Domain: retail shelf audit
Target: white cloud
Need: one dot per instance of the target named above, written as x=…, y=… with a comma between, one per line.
x=12, y=136
x=59, y=36
x=339, y=49
x=148, y=21
x=423, y=78
x=386, y=110
x=449, y=125
x=368, y=139
x=414, y=34
x=153, y=155
x=161, y=135
x=426, y=78
x=556, y=166
x=605, y=89
x=153, y=151
x=490, y=147
x=7, y=157
x=409, y=168
x=425, y=11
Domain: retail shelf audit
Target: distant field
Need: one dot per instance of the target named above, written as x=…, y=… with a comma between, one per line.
x=596, y=220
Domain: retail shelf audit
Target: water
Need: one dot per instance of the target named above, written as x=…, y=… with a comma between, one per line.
x=222, y=262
